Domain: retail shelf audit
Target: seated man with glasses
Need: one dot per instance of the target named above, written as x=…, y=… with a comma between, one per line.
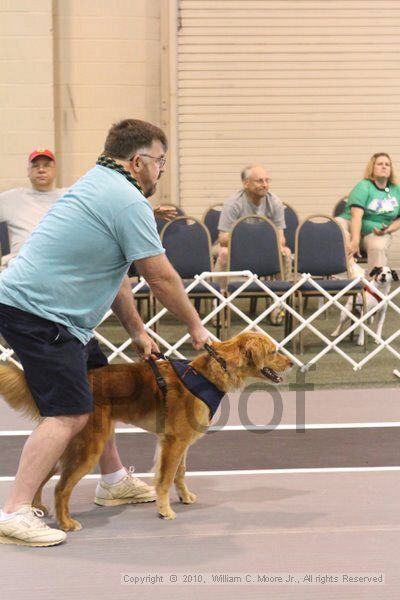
x=253, y=199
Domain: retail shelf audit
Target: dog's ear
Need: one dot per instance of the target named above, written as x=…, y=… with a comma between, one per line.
x=257, y=349
x=374, y=271
x=394, y=275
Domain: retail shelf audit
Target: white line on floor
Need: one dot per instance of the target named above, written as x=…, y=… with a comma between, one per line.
x=258, y=472
x=291, y=427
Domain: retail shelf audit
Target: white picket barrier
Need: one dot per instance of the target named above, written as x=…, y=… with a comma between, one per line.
x=254, y=324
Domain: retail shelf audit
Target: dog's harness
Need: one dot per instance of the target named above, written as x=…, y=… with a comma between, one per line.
x=358, y=306
x=194, y=382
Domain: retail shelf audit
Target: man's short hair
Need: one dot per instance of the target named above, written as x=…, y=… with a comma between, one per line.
x=126, y=137
x=245, y=174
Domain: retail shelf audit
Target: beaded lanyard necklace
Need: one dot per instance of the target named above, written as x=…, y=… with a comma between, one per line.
x=106, y=161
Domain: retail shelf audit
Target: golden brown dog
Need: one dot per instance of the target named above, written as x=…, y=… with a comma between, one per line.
x=129, y=393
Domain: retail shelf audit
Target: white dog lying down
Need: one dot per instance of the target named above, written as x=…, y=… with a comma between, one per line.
x=382, y=278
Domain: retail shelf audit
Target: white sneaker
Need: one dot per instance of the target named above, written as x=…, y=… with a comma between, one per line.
x=26, y=529
x=130, y=490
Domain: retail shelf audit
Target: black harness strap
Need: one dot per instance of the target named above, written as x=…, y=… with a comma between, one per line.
x=162, y=384
x=196, y=383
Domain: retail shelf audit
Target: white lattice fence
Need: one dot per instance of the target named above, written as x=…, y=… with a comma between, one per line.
x=250, y=324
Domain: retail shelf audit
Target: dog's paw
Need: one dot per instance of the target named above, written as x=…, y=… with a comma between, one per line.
x=188, y=498
x=334, y=333
x=71, y=525
x=168, y=515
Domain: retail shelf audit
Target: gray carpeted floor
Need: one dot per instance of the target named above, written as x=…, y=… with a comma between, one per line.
x=313, y=523
x=282, y=521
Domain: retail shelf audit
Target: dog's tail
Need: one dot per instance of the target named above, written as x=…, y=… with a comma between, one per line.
x=15, y=391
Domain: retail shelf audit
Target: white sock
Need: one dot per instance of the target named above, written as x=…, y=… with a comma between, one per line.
x=112, y=478
x=5, y=516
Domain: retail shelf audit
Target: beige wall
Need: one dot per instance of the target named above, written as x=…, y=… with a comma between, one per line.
x=26, y=85
x=107, y=67
x=69, y=69
x=309, y=88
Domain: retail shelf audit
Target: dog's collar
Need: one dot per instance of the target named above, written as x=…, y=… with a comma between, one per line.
x=221, y=361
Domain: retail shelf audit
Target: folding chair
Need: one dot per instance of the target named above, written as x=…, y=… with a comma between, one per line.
x=320, y=250
x=339, y=206
x=161, y=223
x=188, y=247
x=292, y=222
x=211, y=219
x=4, y=239
x=254, y=246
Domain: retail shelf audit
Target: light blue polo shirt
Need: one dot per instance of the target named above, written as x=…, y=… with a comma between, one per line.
x=72, y=266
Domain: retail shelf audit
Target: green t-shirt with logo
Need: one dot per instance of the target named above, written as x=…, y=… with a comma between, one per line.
x=381, y=206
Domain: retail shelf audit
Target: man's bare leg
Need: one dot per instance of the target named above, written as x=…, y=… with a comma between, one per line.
x=41, y=452
x=220, y=265
x=117, y=485
x=110, y=461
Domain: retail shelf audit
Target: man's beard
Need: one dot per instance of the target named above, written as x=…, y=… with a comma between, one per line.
x=151, y=191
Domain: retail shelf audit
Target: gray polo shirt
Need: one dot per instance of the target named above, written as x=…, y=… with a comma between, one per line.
x=22, y=209
x=239, y=205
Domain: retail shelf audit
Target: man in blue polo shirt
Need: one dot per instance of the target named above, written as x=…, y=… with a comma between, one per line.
x=65, y=278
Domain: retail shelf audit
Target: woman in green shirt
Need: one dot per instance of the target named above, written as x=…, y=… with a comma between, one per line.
x=372, y=212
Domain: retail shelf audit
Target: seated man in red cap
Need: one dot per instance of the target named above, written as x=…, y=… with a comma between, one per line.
x=23, y=208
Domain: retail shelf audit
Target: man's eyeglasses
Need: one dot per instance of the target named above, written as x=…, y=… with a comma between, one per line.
x=160, y=160
x=261, y=180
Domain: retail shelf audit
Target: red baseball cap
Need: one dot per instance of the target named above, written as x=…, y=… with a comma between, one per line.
x=41, y=152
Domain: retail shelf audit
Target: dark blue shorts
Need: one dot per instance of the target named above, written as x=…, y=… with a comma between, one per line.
x=55, y=362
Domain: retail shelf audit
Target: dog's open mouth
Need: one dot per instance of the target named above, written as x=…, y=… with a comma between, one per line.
x=271, y=374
